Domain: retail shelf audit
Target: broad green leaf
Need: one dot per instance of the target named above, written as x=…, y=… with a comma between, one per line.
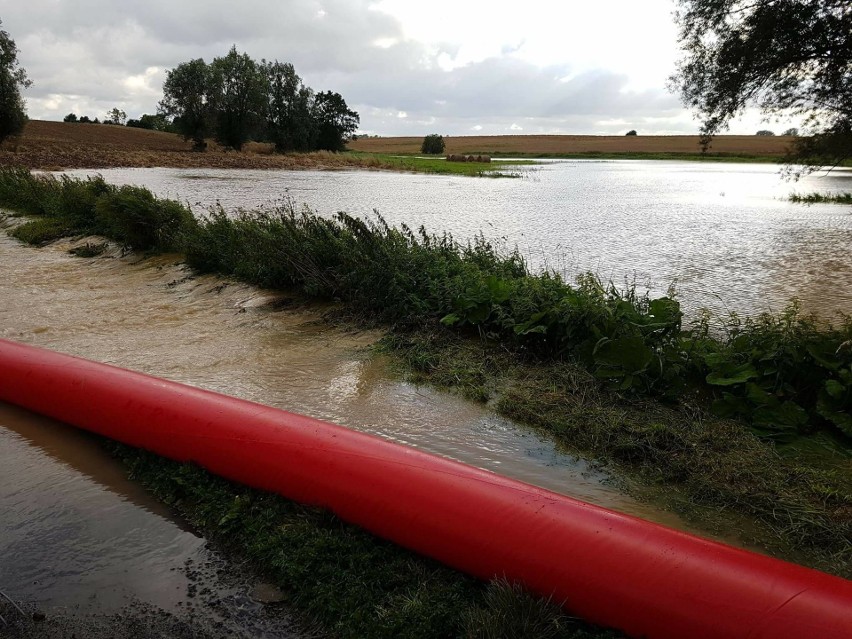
x=628, y=353
x=835, y=388
x=732, y=375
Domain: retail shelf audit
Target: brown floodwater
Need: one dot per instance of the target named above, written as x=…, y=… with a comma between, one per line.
x=77, y=534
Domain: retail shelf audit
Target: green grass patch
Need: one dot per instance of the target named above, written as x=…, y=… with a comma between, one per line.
x=42, y=231
x=822, y=198
x=743, y=158
x=354, y=584
x=440, y=166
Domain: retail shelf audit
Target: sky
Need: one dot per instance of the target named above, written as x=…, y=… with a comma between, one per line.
x=453, y=67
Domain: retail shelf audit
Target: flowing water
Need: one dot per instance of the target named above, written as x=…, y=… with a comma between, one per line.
x=725, y=234
x=76, y=535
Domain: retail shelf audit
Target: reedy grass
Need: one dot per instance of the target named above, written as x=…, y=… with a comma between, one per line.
x=438, y=165
x=820, y=198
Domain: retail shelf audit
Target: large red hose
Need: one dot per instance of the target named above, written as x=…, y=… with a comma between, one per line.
x=611, y=569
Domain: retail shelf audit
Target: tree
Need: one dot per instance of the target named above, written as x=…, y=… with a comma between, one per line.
x=433, y=144
x=84, y=119
x=631, y=132
x=792, y=132
x=335, y=122
x=157, y=122
x=238, y=97
x=13, y=114
x=783, y=56
x=116, y=116
x=288, y=111
x=185, y=98
x=765, y=133
x=71, y=117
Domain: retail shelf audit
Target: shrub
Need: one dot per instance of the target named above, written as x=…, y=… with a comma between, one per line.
x=631, y=132
x=134, y=216
x=433, y=144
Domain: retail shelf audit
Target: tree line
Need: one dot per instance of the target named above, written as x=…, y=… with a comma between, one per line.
x=234, y=99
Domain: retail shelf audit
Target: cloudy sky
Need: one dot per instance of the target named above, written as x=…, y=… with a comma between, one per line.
x=456, y=67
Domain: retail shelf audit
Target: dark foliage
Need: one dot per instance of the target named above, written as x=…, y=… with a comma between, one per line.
x=13, y=114
x=783, y=56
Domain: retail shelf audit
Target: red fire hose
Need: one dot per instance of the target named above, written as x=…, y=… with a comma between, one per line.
x=611, y=569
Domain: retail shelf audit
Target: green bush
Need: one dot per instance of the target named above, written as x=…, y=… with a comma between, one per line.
x=433, y=144
x=134, y=216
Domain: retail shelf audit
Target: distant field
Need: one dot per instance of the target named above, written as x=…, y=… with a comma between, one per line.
x=61, y=145
x=556, y=145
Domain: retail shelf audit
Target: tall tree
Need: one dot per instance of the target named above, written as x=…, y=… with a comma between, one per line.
x=784, y=56
x=238, y=97
x=185, y=98
x=335, y=122
x=13, y=114
x=288, y=113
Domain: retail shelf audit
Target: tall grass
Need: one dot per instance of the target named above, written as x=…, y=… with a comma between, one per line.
x=821, y=198
x=785, y=375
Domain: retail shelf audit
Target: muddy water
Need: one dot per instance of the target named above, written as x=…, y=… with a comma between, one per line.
x=76, y=534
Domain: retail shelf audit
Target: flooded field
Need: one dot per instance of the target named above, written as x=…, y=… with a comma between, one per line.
x=724, y=234
x=78, y=537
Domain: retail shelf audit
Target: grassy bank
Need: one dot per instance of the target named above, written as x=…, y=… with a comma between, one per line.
x=438, y=165
x=726, y=414
x=353, y=584
x=822, y=198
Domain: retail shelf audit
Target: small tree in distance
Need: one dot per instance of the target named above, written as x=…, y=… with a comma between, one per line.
x=631, y=132
x=765, y=133
x=116, y=116
x=432, y=144
x=71, y=117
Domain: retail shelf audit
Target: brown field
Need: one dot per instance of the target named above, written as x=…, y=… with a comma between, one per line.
x=61, y=145
x=550, y=145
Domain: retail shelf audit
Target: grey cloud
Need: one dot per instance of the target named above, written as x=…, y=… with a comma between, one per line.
x=83, y=53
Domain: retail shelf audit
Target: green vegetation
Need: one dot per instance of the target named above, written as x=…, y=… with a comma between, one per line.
x=726, y=411
x=130, y=215
x=820, y=198
x=353, y=583
x=433, y=144
x=13, y=114
x=236, y=99
x=789, y=57
x=440, y=166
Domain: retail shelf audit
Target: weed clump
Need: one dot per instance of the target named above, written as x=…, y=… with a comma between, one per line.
x=130, y=215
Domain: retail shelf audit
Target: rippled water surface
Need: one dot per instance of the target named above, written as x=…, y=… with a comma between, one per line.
x=724, y=233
